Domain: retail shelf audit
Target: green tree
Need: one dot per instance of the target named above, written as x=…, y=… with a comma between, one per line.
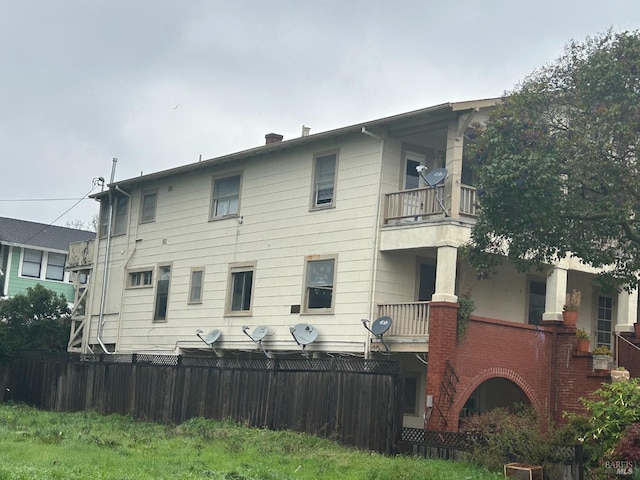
x=39, y=320
x=557, y=163
x=613, y=408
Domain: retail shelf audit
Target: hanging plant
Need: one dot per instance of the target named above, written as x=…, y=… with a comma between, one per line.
x=467, y=306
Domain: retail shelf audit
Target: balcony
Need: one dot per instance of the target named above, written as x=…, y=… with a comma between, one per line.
x=419, y=204
x=410, y=328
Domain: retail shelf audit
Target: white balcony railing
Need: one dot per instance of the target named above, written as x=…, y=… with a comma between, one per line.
x=419, y=204
x=412, y=205
x=468, y=200
x=409, y=319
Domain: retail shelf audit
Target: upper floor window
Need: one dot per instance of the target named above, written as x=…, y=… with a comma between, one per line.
x=324, y=180
x=55, y=266
x=148, y=207
x=119, y=216
x=226, y=197
x=31, y=263
x=319, y=285
x=240, y=290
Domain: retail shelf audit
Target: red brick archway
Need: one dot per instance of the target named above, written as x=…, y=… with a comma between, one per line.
x=540, y=359
x=489, y=373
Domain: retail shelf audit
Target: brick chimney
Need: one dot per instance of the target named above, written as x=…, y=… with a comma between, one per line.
x=273, y=138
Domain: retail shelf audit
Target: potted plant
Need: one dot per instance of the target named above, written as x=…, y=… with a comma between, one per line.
x=601, y=357
x=570, y=309
x=583, y=343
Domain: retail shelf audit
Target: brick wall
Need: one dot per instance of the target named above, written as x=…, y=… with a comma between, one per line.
x=541, y=360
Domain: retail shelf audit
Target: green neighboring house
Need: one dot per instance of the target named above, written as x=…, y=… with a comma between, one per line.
x=32, y=253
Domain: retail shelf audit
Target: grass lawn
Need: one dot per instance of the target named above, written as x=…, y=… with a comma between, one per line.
x=85, y=445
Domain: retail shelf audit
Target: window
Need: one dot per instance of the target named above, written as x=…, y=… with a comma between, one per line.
x=324, y=180
x=120, y=215
x=31, y=261
x=162, y=293
x=226, y=197
x=148, y=207
x=537, y=294
x=319, y=283
x=605, y=317
x=141, y=278
x=55, y=266
x=195, y=289
x=240, y=293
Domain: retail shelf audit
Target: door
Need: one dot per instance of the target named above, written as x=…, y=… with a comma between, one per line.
x=427, y=285
x=413, y=202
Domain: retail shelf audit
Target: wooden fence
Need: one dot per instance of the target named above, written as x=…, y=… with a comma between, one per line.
x=356, y=402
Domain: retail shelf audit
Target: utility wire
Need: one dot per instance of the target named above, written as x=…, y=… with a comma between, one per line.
x=39, y=199
x=96, y=183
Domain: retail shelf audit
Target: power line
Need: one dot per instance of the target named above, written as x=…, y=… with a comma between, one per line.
x=96, y=183
x=41, y=199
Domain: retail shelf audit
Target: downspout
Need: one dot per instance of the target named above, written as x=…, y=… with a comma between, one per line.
x=119, y=330
x=107, y=252
x=374, y=269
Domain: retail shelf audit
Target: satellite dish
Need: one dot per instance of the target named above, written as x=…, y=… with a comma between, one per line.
x=304, y=333
x=260, y=332
x=432, y=179
x=435, y=177
x=212, y=337
x=381, y=326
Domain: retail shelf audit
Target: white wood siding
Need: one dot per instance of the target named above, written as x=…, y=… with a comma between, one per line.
x=276, y=230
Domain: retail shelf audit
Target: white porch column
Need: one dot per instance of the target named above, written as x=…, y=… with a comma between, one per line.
x=446, y=275
x=555, y=294
x=453, y=164
x=627, y=311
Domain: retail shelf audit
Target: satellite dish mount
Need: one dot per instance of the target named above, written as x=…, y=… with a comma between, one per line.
x=433, y=179
x=304, y=334
x=258, y=334
x=379, y=327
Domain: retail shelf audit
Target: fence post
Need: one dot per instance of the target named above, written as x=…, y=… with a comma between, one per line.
x=579, y=459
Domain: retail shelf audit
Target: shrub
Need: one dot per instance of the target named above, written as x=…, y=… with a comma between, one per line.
x=509, y=435
x=628, y=448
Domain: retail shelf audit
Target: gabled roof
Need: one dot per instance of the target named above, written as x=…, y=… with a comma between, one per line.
x=39, y=235
x=384, y=125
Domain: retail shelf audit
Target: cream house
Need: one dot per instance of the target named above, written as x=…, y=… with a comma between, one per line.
x=304, y=243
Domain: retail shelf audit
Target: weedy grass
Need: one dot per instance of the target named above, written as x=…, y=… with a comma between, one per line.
x=49, y=445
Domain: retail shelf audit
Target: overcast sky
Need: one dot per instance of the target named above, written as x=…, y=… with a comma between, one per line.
x=159, y=83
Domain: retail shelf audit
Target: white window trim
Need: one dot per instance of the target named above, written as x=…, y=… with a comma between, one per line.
x=239, y=268
x=315, y=311
x=313, y=204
